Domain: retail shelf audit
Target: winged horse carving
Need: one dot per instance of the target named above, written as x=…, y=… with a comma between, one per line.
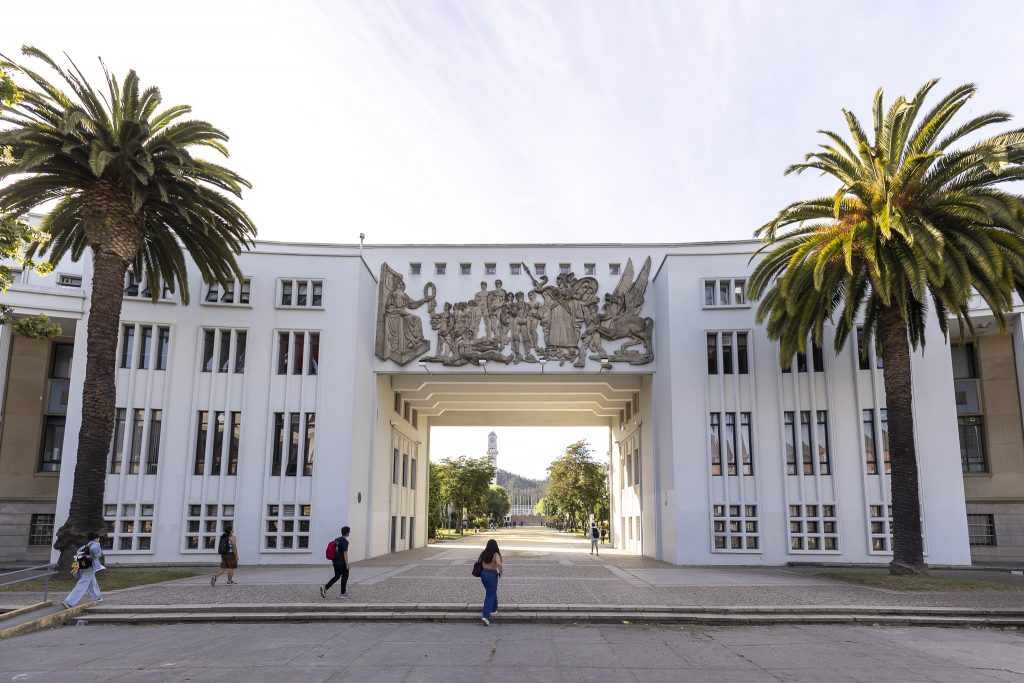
x=621, y=319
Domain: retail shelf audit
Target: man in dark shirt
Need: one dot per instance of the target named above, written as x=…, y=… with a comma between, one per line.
x=340, y=564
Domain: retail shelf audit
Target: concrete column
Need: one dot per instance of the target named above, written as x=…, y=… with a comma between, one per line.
x=5, y=360
x=1017, y=320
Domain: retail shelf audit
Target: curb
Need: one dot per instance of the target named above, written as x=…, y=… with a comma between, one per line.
x=25, y=610
x=48, y=621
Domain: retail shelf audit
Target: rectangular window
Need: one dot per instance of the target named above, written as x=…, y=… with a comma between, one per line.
x=317, y=299
x=314, y=353
x=789, y=432
x=135, y=454
x=727, y=353
x=490, y=269
x=807, y=458
x=275, y=461
x=515, y=268
x=883, y=415
x=307, y=447
x=224, y=364
x=146, y=344
x=53, y=443
x=127, y=345
x=282, y=353
x=240, y=340
x=203, y=526
x=440, y=268
x=713, y=354
x=236, y=437
x=153, y=447
x=394, y=466
x=981, y=530
x=614, y=268
x=813, y=528
x=590, y=269
x=405, y=469
x=60, y=366
x=824, y=461
x=724, y=292
x=465, y=269
x=415, y=419
x=564, y=268
x=301, y=292
x=743, y=365
x=716, y=445
x=131, y=288
x=298, y=356
x=213, y=293
x=539, y=269
x=412, y=474
x=863, y=355
x=209, y=337
x=243, y=294
x=739, y=292
x=406, y=408
x=398, y=402
x=117, y=450
x=746, y=445
x=403, y=528
x=218, y=443
x=414, y=268
x=293, y=446
x=163, y=347
x=880, y=520
x=286, y=293
x=818, y=358
x=972, y=443
x=229, y=293
x=870, y=450
x=204, y=422
x=40, y=529
x=735, y=527
x=287, y=527
x=69, y=280
x=730, y=443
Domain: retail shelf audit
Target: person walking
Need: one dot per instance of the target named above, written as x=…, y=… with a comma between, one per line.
x=227, y=547
x=595, y=536
x=340, y=562
x=490, y=558
x=88, y=558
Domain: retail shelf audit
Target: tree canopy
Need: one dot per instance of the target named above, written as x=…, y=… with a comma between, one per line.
x=464, y=484
x=578, y=485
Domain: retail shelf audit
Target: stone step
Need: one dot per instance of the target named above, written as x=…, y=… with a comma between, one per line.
x=552, y=616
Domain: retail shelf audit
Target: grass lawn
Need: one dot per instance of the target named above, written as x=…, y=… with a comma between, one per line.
x=444, y=534
x=110, y=579
x=917, y=583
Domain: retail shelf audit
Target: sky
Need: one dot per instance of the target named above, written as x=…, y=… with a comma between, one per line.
x=487, y=121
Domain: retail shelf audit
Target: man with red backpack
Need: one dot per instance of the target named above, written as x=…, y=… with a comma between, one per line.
x=337, y=553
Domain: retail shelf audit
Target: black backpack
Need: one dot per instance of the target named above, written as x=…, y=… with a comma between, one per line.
x=224, y=547
x=83, y=557
x=594, y=533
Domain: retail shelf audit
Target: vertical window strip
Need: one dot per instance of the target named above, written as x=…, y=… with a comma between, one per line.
x=135, y=454
x=716, y=444
x=118, y=445
x=153, y=449
x=275, y=462
x=824, y=461
x=218, y=443
x=282, y=352
x=240, y=340
x=163, y=347
x=145, y=344
x=208, y=344
x=293, y=445
x=127, y=345
x=307, y=457
x=884, y=419
x=200, y=461
x=789, y=432
x=299, y=346
x=236, y=437
x=730, y=443
x=746, y=444
x=224, y=355
x=807, y=454
x=870, y=451
x=314, y=353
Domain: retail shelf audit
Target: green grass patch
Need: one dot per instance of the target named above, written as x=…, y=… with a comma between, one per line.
x=922, y=583
x=110, y=580
x=446, y=534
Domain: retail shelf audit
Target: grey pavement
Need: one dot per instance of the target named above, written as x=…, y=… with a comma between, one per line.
x=516, y=652
x=543, y=566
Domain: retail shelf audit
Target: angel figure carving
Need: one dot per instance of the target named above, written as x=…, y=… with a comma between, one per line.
x=621, y=319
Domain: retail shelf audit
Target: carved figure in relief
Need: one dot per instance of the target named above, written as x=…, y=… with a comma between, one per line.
x=568, y=302
x=538, y=316
x=521, y=342
x=621, y=319
x=495, y=300
x=443, y=323
x=479, y=310
x=470, y=351
x=399, y=331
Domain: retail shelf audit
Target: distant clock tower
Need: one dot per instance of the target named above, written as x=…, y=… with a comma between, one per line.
x=492, y=452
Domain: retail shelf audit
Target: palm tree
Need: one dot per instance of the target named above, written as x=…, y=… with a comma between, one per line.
x=123, y=183
x=913, y=224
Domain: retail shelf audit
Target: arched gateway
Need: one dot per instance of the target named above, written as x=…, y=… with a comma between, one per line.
x=301, y=398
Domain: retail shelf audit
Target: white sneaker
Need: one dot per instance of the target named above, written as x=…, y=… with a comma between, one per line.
x=213, y=580
x=487, y=622
x=66, y=605
x=323, y=593
x=346, y=596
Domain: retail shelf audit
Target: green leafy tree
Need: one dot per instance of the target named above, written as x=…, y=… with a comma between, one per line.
x=577, y=484
x=125, y=184
x=915, y=222
x=15, y=237
x=497, y=503
x=541, y=507
x=435, y=504
x=464, y=483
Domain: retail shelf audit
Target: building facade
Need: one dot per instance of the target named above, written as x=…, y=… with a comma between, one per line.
x=300, y=398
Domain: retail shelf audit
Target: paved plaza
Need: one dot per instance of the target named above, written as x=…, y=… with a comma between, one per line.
x=471, y=652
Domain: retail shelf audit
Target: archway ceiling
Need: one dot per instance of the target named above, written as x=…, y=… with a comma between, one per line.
x=517, y=400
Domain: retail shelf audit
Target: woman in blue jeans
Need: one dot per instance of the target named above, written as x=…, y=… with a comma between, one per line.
x=491, y=559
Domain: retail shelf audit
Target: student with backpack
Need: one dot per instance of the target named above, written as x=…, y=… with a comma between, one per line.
x=595, y=536
x=86, y=564
x=227, y=548
x=337, y=553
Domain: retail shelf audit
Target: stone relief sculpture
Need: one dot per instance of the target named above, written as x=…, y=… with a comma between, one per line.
x=564, y=322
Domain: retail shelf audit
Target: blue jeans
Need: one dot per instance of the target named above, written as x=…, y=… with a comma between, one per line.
x=489, y=577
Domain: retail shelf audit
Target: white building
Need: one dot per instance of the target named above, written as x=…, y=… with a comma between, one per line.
x=266, y=404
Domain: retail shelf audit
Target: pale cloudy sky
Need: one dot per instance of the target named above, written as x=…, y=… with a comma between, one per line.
x=505, y=121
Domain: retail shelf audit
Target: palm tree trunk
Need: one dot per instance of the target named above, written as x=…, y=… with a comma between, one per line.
x=908, y=550
x=98, y=398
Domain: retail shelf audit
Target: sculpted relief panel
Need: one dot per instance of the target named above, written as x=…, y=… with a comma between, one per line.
x=563, y=322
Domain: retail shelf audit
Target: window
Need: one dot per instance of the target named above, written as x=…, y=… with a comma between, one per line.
x=716, y=445
x=515, y=268
x=293, y=345
x=163, y=347
x=863, y=355
x=412, y=474
x=817, y=358
x=405, y=469
x=394, y=466
x=135, y=452
x=129, y=527
x=813, y=528
x=789, y=432
x=398, y=402
x=972, y=443
x=117, y=447
x=406, y=407
x=301, y=293
x=224, y=362
x=127, y=345
x=981, y=529
x=288, y=445
x=805, y=442
x=871, y=445
x=539, y=269
x=564, y=268
x=807, y=459
x=298, y=352
x=60, y=365
x=53, y=443
x=218, y=443
x=138, y=287
x=414, y=268
x=287, y=527
x=403, y=528
x=131, y=287
x=465, y=269
x=880, y=522
x=282, y=352
x=240, y=340
x=199, y=466
x=735, y=527
x=205, y=523
x=590, y=269
x=40, y=529
x=734, y=353
x=236, y=437
x=736, y=442
x=490, y=269
x=69, y=280
x=824, y=461
x=209, y=339
x=314, y=353
x=440, y=268
x=614, y=268
x=234, y=292
x=415, y=418
x=153, y=449
x=725, y=293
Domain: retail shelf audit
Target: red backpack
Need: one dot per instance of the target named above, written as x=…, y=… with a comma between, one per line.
x=332, y=548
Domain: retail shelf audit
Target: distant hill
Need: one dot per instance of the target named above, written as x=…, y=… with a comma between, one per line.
x=510, y=481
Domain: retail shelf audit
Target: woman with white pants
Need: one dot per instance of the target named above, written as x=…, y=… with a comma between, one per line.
x=87, y=585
